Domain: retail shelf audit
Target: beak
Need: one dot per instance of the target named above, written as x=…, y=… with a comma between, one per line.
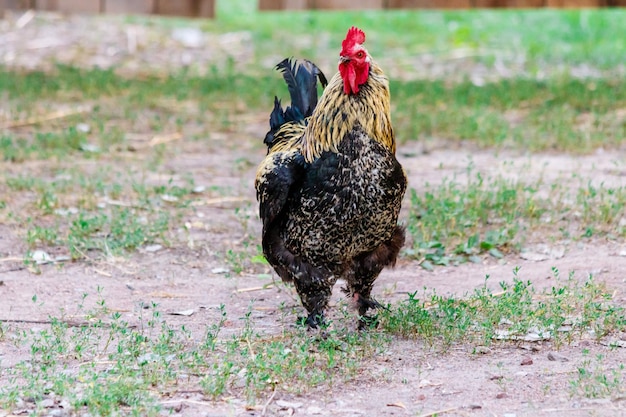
x=344, y=59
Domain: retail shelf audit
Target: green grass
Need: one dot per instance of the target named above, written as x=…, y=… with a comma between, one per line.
x=91, y=215
x=461, y=220
x=566, y=37
x=568, y=311
x=97, y=362
x=88, y=193
x=133, y=367
x=558, y=112
x=563, y=114
x=596, y=379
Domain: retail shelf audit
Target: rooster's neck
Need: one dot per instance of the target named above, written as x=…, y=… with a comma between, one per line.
x=338, y=113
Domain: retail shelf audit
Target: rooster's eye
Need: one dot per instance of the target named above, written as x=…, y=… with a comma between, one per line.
x=359, y=54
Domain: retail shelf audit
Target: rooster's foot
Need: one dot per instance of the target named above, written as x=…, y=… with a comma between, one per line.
x=368, y=322
x=364, y=304
x=312, y=321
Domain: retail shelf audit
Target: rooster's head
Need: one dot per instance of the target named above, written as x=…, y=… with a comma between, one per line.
x=354, y=61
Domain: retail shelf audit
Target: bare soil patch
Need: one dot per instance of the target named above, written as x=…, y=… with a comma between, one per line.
x=410, y=379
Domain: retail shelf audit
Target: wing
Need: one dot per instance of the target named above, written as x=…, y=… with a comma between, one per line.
x=276, y=178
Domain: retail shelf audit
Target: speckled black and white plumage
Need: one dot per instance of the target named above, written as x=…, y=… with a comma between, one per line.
x=330, y=190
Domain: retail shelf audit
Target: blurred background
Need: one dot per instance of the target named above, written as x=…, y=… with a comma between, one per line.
x=130, y=134
x=136, y=96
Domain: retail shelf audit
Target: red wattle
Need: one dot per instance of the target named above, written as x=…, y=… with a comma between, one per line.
x=352, y=80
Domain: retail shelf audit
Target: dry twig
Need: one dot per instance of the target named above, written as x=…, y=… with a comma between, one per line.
x=438, y=412
x=58, y=114
x=264, y=412
x=251, y=289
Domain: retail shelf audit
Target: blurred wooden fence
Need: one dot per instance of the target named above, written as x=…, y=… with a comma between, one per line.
x=189, y=8
x=206, y=8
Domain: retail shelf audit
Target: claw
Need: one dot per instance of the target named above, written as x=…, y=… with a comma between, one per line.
x=368, y=322
x=312, y=321
x=365, y=304
x=371, y=303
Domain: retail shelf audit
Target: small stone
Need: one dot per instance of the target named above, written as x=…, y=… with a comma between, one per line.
x=175, y=407
x=83, y=127
x=186, y=313
x=526, y=360
x=534, y=256
x=501, y=395
x=66, y=211
x=47, y=403
x=483, y=350
x=475, y=406
x=557, y=252
x=532, y=348
x=90, y=147
x=40, y=257
x=153, y=248
x=169, y=198
x=537, y=336
x=288, y=404
x=426, y=383
x=557, y=357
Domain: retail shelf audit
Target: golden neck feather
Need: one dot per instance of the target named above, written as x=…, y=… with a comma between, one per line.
x=337, y=114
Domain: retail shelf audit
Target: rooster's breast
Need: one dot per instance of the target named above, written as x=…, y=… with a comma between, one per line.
x=348, y=202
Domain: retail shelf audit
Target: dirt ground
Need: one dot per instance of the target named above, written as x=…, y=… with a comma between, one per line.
x=409, y=379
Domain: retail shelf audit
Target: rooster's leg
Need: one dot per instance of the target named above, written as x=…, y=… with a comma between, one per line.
x=314, y=286
x=367, y=267
x=364, y=302
x=315, y=294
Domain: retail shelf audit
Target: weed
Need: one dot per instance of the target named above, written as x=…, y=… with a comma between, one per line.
x=481, y=216
x=459, y=220
x=107, y=364
x=131, y=366
x=595, y=380
x=38, y=235
x=517, y=312
x=23, y=183
x=602, y=209
x=121, y=230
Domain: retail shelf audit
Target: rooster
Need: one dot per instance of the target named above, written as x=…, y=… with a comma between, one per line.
x=330, y=187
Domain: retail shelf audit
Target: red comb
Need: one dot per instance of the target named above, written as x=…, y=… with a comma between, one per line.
x=354, y=36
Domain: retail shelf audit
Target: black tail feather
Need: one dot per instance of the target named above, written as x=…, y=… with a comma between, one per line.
x=301, y=78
